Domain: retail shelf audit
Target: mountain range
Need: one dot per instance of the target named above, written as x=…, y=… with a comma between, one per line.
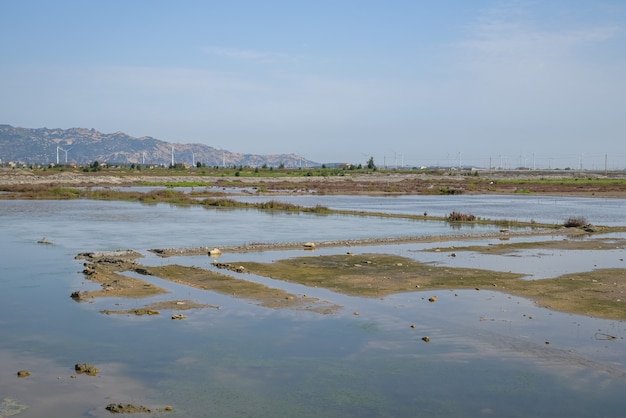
x=84, y=146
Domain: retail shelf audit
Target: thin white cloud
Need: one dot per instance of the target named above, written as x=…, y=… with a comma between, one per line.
x=179, y=81
x=516, y=38
x=244, y=54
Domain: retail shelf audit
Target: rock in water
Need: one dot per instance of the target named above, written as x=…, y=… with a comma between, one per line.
x=125, y=408
x=88, y=369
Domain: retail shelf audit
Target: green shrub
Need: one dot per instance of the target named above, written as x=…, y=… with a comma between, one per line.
x=460, y=217
x=575, y=222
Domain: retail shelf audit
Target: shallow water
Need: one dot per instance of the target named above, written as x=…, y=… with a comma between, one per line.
x=489, y=353
x=543, y=209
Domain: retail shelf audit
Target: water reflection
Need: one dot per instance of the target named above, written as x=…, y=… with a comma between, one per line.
x=489, y=353
x=543, y=209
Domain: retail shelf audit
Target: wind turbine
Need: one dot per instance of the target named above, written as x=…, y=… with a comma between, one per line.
x=65, y=151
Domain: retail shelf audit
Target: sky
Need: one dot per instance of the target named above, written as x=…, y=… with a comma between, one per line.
x=538, y=84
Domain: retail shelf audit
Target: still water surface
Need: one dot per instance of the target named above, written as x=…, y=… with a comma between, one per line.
x=544, y=209
x=489, y=354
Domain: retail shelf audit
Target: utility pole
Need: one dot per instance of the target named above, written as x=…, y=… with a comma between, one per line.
x=581, y=162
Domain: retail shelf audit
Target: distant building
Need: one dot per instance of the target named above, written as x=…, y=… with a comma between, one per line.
x=338, y=165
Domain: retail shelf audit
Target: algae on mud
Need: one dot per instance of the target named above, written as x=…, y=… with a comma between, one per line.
x=599, y=293
x=265, y=296
x=373, y=275
x=108, y=268
x=564, y=244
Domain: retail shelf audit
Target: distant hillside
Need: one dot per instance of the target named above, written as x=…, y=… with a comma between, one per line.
x=84, y=146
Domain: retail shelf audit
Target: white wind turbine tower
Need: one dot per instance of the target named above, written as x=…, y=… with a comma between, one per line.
x=65, y=151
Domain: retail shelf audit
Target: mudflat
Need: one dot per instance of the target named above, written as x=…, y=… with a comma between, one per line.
x=596, y=293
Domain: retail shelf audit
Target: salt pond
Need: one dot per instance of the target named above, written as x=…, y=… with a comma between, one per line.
x=489, y=353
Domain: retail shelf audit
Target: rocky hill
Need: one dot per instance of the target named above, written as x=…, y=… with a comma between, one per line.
x=84, y=146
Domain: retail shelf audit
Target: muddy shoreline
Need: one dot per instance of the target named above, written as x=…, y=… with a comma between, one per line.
x=257, y=247
x=108, y=269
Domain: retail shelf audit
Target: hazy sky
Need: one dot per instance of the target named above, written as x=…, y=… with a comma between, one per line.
x=415, y=82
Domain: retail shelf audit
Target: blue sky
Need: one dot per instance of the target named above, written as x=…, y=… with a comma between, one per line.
x=517, y=83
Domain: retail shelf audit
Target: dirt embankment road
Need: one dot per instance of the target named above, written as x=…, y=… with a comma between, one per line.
x=565, y=183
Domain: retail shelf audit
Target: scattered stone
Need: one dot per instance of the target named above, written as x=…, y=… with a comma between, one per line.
x=426, y=339
x=432, y=299
x=86, y=368
x=309, y=245
x=227, y=266
x=356, y=314
x=215, y=252
x=178, y=316
x=23, y=373
x=78, y=296
x=144, y=311
x=126, y=409
x=589, y=228
x=412, y=325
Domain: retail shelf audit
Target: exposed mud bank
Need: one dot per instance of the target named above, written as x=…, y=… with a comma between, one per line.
x=256, y=247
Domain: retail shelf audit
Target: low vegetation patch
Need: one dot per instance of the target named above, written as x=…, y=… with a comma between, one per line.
x=460, y=217
x=375, y=274
x=575, y=222
x=568, y=244
x=597, y=293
